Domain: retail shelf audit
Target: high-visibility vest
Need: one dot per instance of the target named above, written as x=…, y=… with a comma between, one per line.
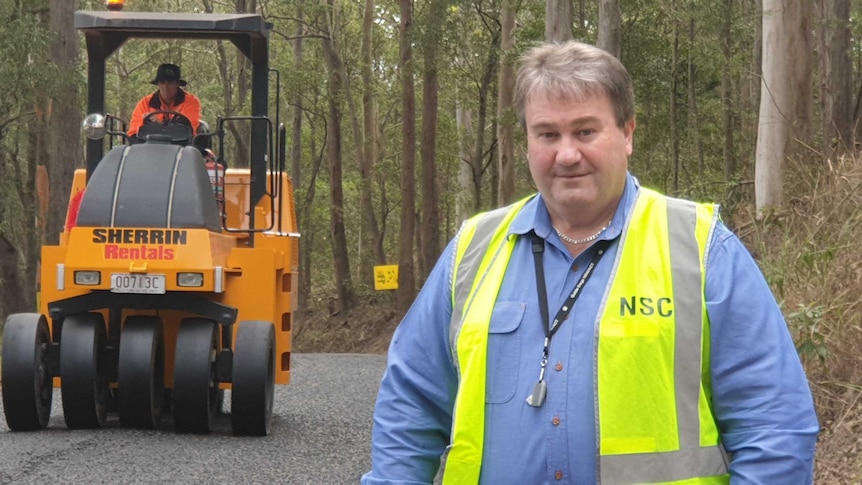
x=651, y=361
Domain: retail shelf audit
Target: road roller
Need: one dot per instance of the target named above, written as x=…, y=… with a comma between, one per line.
x=173, y=285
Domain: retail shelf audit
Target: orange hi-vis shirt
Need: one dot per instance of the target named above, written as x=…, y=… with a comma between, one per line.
x=185, y=103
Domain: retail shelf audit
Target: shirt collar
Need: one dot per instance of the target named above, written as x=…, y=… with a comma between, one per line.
x=534, y=215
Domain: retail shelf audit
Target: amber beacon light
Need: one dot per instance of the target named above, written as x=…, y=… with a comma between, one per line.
x=114, y=5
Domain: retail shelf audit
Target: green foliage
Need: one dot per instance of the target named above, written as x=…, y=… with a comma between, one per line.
x=806, y=325
x=24, y=65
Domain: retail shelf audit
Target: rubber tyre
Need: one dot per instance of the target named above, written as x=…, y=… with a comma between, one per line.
x=195, y=392
x=83, y=385
x=141, y=372
x=253, y=379
x=27, y=385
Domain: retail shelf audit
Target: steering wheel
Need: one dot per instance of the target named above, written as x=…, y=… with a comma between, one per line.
x=167, y=118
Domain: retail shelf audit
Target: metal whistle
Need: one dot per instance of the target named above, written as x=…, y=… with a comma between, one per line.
x=537, y=398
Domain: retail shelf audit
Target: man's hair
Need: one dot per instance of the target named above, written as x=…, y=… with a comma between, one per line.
x=574, y=71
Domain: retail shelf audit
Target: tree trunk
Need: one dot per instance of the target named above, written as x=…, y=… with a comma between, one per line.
x=308, y=236
x=370, y=140
x=694, y=117
x=785, y=41
x=478, y=166
x=558, y=20
x=674, y=92
x=505, y=92
x=609, y=27
x=304, y=290
x=343, y=281
x=836, y=75
x=12, y=292
x=64, y=146
x=406, y=276
x=430, y=227
x=465, y=202
x=726, y=92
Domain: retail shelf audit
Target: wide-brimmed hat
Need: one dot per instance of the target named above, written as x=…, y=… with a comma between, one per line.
x=168, y=72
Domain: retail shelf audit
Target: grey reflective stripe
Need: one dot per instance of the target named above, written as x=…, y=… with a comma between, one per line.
x=468, y=267
x=663, y=467
x=691, y=460
x=685, y=268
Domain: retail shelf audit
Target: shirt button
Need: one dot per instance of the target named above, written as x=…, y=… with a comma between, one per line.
x=574, y=266
x=556, y=421
x=559, y=366
x=558, y=475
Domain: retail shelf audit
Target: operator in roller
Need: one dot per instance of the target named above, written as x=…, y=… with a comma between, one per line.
x=170, y=97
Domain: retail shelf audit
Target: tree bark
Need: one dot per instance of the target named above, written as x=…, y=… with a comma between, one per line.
x=505, y=92
x=430, y=227
x=371, y=235
x=479, y=150
x=785, y=60
x=465, y=198
x=694, y=117
x=406, y=272
x=609, y=27
x=836, y=76
x=558, y=20
x=64, y=146
x=304, y=291
x=343, y=281
x=726, y=92
x=674, y=92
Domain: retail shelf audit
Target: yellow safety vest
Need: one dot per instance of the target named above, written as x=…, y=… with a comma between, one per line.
x=655, y=423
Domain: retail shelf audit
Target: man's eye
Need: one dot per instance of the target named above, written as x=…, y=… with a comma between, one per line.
x=547, y=135
x=585, y=133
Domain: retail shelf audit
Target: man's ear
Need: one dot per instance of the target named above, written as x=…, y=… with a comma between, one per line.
x=628, y=132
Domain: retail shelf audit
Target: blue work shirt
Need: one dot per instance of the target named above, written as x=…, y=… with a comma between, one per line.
x=760, y=399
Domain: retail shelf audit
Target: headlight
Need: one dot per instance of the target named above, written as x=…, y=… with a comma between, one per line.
x=190, y=279
x=94, y=126
x=88, y=278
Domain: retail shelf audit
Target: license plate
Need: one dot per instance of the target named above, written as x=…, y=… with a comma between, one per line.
x=137, y=283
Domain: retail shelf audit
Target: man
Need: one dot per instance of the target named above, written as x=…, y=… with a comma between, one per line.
x=597, y=332
x=169, y=97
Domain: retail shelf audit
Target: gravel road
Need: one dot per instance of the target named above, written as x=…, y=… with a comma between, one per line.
x=320, y=435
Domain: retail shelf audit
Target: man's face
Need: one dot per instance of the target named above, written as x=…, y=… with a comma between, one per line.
x=168, y=89
x=578, y=155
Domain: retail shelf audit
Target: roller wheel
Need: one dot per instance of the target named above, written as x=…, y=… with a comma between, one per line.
x=27, y=386
x=253, y=379
x=141, y=372
x=84, y=385
x=195, y=393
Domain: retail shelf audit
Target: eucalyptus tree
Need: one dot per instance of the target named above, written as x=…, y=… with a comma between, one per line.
x=786, y=88
x=64, y=133
x=836, y=75
x=558, y=20
x=432, y=25
x=505, y=93
x=610, y=27
x=336, y=83
x=406, y=268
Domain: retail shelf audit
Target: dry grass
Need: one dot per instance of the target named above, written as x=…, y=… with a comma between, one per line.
x=810, y=253
x=367, y=328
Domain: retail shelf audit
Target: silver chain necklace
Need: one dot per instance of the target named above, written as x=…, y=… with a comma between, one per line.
x=580, y=241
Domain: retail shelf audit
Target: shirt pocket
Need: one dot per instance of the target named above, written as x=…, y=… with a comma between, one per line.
x=504, y=352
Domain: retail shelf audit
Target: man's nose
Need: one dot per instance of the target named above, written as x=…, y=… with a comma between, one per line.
x=569, y=151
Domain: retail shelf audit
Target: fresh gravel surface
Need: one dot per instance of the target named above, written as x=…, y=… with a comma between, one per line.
x=320, y=435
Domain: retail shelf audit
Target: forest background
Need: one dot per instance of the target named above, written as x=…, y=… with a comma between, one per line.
x=400, y=122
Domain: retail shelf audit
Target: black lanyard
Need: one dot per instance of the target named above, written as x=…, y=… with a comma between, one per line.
x=540, y=389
